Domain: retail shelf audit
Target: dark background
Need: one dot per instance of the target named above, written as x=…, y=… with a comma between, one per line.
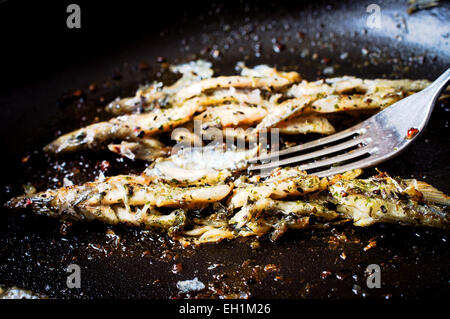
x=42, y=63
x=37, y=42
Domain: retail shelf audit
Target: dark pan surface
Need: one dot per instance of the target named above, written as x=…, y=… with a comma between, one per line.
x=36, y=105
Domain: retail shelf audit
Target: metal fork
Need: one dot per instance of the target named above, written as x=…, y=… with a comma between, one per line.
x=378, y=138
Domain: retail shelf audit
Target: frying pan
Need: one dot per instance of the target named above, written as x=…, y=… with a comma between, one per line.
x=49, y=69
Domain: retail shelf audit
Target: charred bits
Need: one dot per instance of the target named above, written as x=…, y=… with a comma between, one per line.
x=143, y=66
x=70, y=97
x=277, y=46
x=116, y=76
x=325, y=274
x=92, y=87
x=177, y=268
x=104, y=165
x=65, y=228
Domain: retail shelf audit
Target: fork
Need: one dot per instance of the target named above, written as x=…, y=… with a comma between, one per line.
x=375, y=140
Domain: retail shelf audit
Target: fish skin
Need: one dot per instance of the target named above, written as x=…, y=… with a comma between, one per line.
x=157, y=95
x=281, y=183
x=348, y=84
x=406, y=201
x=147, y=149
x=231, y=115
x=341, y=103
x=238, y=82
x=262, y=87
x=297, y=208
x=389, y=200
x=171, y=173
x=78, y=201
x=126, y=127
x=134, y=200
x=284, y=111
x=306, y=124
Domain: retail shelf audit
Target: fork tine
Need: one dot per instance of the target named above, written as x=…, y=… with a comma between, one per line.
x=336, y=159
x=325, y=151
x=315, y=143
x=363, y=163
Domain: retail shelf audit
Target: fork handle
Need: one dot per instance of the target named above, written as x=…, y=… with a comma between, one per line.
x=439, y=84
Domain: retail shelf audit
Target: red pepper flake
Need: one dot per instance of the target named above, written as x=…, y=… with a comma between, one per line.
x=105, y=165
x=145, y=253
x=92, y=87
x=25, y=159
x=325, y=60
x=77, y=93
x=177, y=268
x=220, y=292
x=411, y=133
x=325, y=274
x=28, y=202
x=143, y=66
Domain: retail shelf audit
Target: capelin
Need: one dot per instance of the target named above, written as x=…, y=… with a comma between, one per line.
x=388, y=200
x=40, y=204
x=89, y=137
